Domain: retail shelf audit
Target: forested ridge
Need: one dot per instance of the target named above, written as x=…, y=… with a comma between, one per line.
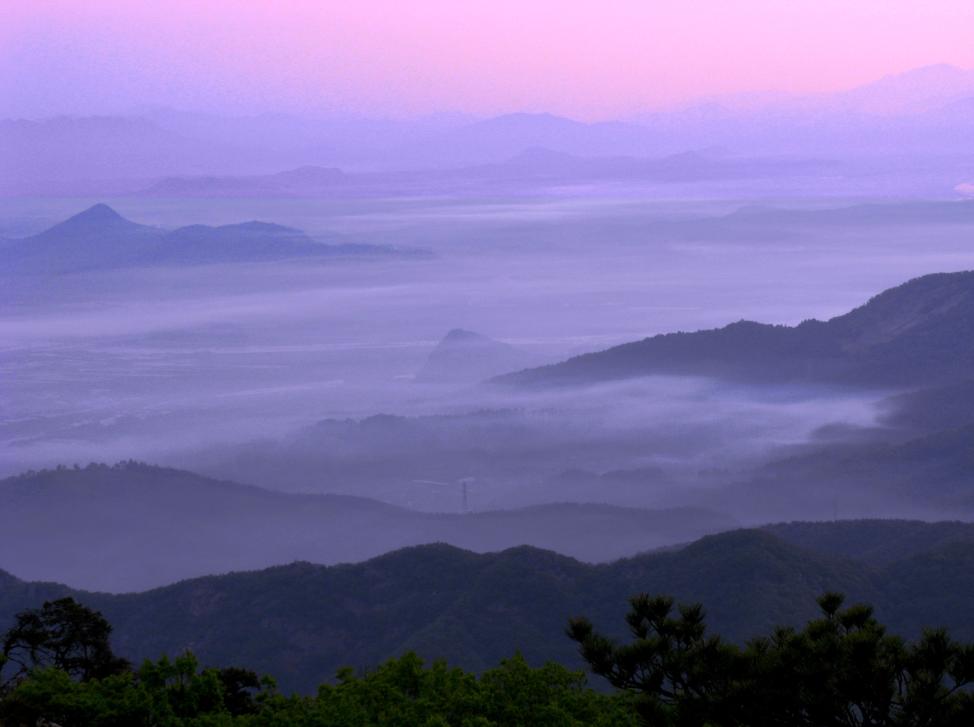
x=302, y=622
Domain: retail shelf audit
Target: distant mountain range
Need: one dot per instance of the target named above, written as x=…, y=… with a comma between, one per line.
x=919, y=333
x=925, y=113
x=913, y=92
x=134, y=526
x=301, y=622
x=99, y=238
x=530, y=168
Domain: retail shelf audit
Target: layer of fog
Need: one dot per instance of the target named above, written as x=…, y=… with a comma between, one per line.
x=227, y=370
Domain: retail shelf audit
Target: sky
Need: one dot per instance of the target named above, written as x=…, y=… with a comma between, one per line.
x=586, y=59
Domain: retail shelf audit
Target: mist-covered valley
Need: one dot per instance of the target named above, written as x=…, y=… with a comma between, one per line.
x=371, y=348
x=486, y=363
x=158, y=360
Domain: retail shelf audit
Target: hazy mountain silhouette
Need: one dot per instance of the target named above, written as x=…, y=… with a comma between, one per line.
x=529, y=168
x=98, y=219
x=96, y=237
x=134, y=526
x=923, y=110
x=914, y=91
x=245, y=242
x=467, y=356
x=917, y=333
x=101, y=238
x=916, y=110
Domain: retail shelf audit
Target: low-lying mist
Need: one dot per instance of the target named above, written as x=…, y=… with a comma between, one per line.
x=315, y=376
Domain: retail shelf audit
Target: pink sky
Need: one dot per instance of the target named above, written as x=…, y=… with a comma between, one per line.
x=573, y=57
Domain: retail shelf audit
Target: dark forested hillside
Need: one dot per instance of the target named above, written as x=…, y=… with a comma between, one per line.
x=874, y=542
x=302, y=621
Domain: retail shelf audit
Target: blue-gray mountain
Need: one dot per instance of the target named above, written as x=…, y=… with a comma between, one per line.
x=465, y=356
x=133, y=526
x=919, y=333
x=100, y=238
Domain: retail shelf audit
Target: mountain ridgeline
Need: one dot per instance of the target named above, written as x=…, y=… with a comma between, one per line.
x=100, y=238
x=923, y=110
x=301, y=622
x=133, y=526
x=919, y=333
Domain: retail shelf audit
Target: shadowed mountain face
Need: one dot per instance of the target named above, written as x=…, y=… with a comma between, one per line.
x=101, y=238
x=134, y=526
x=918, y=333
x=301, y=622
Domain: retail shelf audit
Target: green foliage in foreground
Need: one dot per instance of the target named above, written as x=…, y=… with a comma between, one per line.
x=402, y=692
x=841, y=670
x=62, y=671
